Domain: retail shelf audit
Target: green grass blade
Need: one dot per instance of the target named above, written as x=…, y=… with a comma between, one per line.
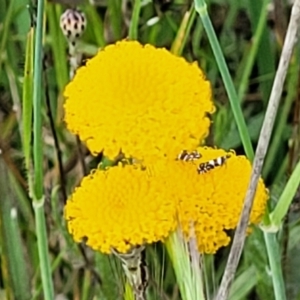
x=188, y=276
x=244, y=82
x=58, y=45
x=95, y=24
x=27, y=101
x=43, y=250
x=286, y=197
x=38, y=198
x=278, y=134
x=5, y=30
x=134, y=23
x=266, y=59
x=201, y=8
x=183, y=31
x=115, y=15
x=37, y=106
x=275, y=264
x=106, y=266
x=243, y=284
x=11, y=242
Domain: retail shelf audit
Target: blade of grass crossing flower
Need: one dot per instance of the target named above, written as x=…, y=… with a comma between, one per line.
x=134, y=23
x=187, y=273
x=37, y=193
x=183, y=31
x=195, y=266
x=201, y=8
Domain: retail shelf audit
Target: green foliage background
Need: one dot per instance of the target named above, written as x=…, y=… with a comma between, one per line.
x=251, y=35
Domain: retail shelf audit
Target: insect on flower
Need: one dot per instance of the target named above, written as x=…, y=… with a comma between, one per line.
x=186, y=156
x=211, y=164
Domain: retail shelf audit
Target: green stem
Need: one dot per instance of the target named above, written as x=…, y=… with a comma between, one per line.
x=43, y=250
x=201, y=8
x=134, y=24
x=114, y=8
x=184, y=31
x=275, y=264
x=27, y=103
x=37, y=193
x=185, y=261
x=37, y=107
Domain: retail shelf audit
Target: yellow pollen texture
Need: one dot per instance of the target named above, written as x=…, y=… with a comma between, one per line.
x=119, y=208
x=212, y=202
x=141, y=100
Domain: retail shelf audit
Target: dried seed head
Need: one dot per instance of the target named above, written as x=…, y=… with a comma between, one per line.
x=72, y=24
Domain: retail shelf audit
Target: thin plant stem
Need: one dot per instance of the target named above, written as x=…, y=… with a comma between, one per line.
x=134, y=24
x=183, y=31
x=263, y=142
x=186, y=261
x=37, y=193
x=201, y=8
x=114, y=8
x=274, y=260
x=43, y=250
x=27, y=104
x=37, y=107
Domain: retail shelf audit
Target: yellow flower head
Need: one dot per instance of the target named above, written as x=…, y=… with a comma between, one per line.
x=212, y=201
x=131, y=205
x=138, y=99
x=120, y=208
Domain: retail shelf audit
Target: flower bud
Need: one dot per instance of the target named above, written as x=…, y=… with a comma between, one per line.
x=72, y=24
